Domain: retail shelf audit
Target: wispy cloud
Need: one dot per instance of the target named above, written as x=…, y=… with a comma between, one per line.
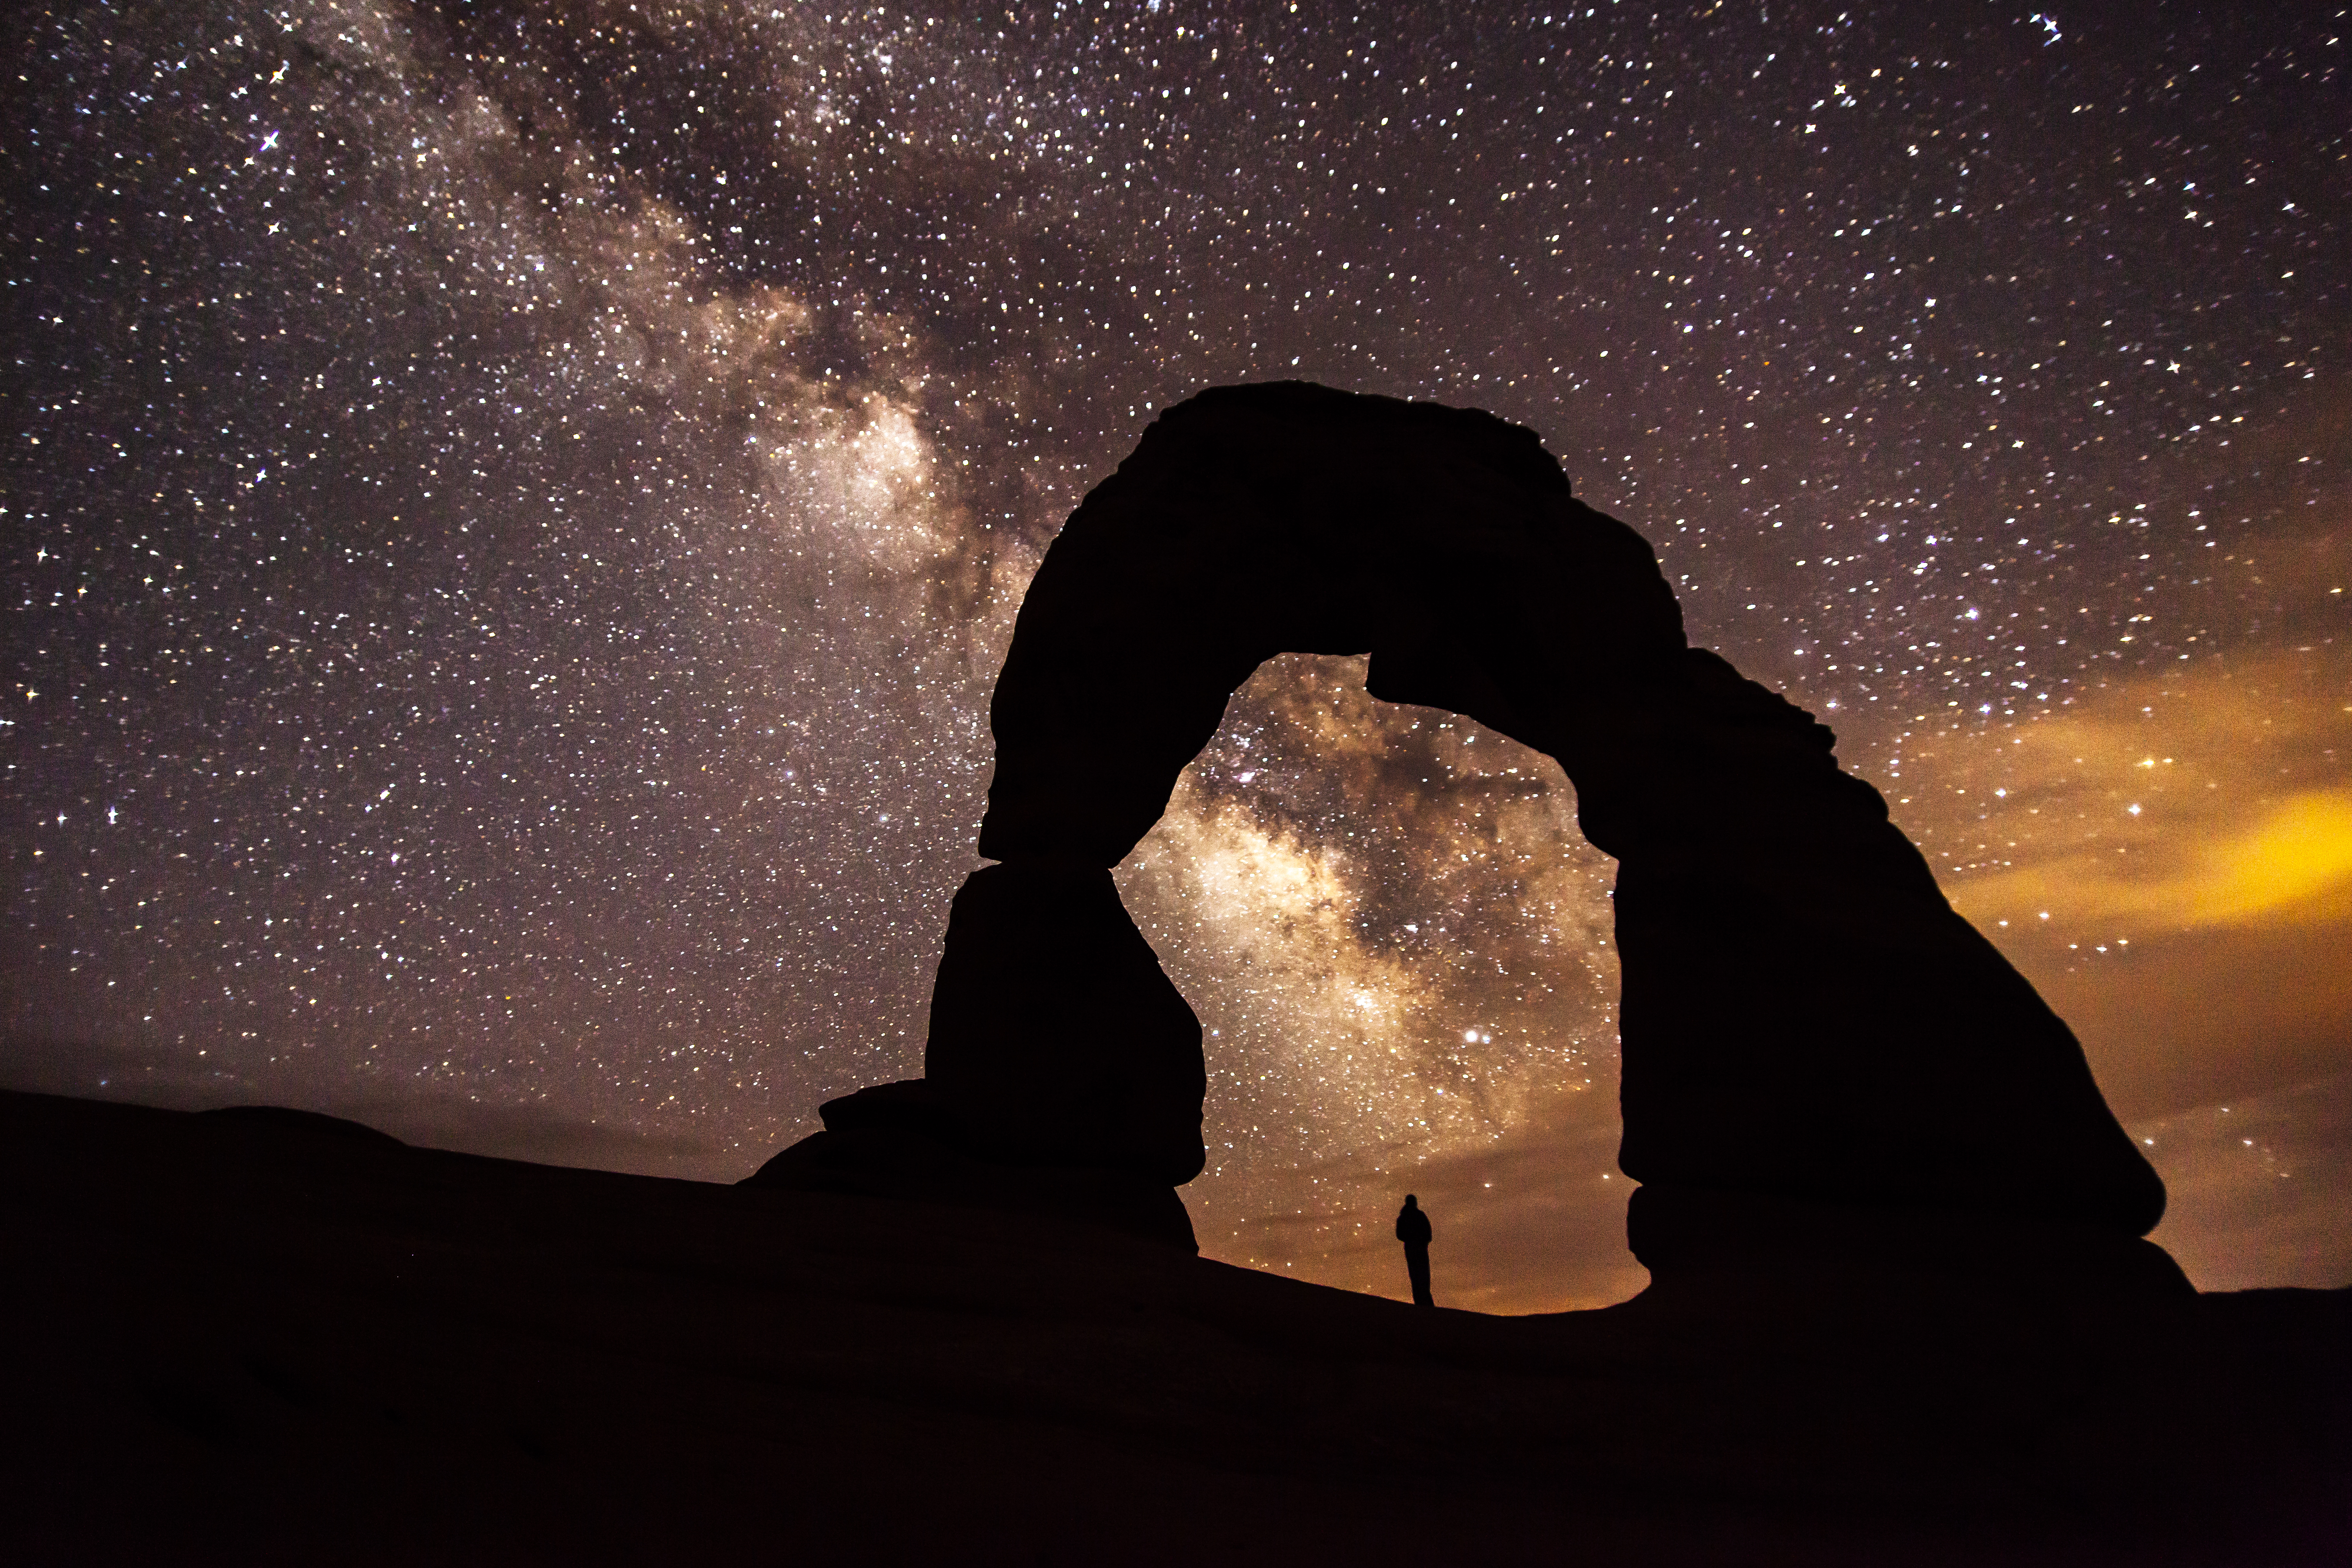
x=2167, y=805
x=2291, y=861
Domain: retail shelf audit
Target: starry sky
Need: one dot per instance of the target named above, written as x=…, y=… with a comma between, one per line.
x=511, y=514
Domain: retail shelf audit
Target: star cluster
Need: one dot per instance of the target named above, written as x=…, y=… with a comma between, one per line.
x=511, y=514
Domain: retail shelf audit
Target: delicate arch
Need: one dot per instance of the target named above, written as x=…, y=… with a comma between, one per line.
x=1803, y=1015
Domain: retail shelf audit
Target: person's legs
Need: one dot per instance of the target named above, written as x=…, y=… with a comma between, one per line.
x=1416, y=1264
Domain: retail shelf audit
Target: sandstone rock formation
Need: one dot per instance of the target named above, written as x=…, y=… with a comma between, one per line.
x=1043, y=967
x=1805, y=1015
x=893, y=1142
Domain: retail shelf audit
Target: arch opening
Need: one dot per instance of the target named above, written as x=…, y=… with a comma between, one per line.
x=1399, y=945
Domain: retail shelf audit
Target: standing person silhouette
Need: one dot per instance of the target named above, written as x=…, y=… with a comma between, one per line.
x=1412, y=1229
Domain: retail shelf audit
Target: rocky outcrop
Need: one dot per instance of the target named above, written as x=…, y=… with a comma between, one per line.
x=1805, y=1017
x=894, y=1141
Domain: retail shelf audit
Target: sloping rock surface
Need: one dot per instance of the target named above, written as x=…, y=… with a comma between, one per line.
x=231, y=1344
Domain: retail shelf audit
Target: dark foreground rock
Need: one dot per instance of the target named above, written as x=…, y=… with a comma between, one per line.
x=235, y=1341
x=897, y=1141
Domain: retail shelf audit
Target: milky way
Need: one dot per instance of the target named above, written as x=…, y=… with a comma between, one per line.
x=512, y=512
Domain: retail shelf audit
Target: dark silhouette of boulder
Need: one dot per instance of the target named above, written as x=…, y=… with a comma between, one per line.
x=894, y=1141
x=907, y=1106
x=1804, y=1016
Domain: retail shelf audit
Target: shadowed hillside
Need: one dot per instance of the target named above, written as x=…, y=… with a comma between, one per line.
x=266, y=1336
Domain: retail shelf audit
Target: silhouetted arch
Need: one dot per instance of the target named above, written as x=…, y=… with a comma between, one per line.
x=1803, y=1015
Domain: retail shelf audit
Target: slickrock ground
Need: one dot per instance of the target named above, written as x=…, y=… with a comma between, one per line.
x=271, y=1338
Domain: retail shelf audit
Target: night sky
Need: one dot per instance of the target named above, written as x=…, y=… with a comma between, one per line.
x=512, y=513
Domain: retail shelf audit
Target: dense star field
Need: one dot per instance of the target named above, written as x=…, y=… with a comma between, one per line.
x=512, y=512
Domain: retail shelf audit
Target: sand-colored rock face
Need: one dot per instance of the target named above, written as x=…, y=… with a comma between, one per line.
x=1804, y=1014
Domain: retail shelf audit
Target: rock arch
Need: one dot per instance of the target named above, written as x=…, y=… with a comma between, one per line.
x=1805, y=1015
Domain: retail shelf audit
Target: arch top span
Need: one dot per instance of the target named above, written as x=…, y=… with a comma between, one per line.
x=1290, y=518
x=1804, y=1017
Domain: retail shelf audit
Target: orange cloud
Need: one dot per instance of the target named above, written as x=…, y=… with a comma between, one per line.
x=2175, y=802
x=2291, y=861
